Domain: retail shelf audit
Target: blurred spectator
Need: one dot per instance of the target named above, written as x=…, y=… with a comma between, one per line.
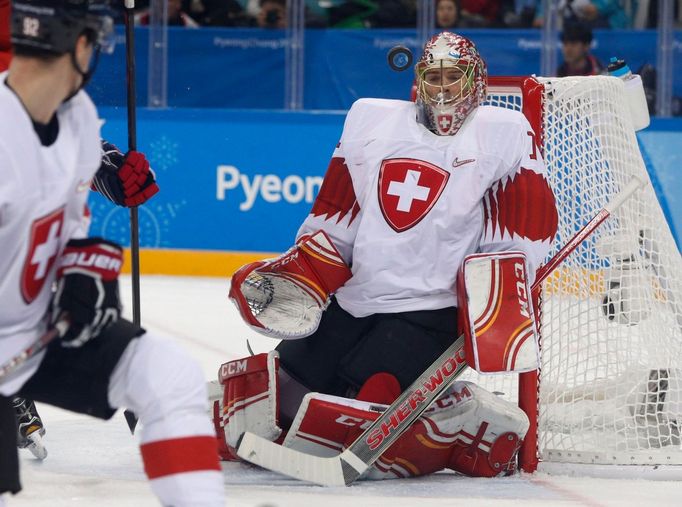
x=272, y=14
x=646, y=14
x=518, y=13
x=447, y=13
x=351, y=13
x=176, y=16
x=648, y=74
x=220, y=13
x=394, y=14
x=575, y=47
x=480, y=13
x=596, y=13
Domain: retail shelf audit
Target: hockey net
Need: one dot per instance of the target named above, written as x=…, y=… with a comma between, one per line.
x=609, y=390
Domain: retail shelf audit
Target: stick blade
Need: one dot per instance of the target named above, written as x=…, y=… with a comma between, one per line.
x=295, y=464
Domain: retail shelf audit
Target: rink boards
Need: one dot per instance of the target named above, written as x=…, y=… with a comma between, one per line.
x=236, y=184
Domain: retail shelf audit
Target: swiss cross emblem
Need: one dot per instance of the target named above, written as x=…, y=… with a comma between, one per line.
x=444, y=121
x=42, y=253
x=408, y=189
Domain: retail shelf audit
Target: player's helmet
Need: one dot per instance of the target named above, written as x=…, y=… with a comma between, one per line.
x=53, y=26
x=451, y=82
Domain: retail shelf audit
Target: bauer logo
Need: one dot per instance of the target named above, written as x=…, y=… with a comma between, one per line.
x=247, y=189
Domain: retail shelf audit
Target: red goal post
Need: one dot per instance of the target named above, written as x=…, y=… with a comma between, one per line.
x=609, y=392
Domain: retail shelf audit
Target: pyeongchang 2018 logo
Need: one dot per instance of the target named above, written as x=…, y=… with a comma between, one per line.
x=271, y=188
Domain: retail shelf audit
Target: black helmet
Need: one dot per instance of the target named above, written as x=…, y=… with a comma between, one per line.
x=53, y=26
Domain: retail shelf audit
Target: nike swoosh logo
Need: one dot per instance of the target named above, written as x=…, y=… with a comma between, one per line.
x=457, y=162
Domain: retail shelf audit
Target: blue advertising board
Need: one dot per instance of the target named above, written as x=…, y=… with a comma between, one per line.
x=230, y=180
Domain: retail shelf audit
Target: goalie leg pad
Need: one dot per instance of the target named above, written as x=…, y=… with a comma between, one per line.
x=496, y=312
x=468, y=430
x=250, y=400
x=490, y=436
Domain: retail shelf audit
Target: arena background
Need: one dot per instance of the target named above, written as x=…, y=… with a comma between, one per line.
x=239, y=158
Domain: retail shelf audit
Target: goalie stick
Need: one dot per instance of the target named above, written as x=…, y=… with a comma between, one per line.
x=345, y=468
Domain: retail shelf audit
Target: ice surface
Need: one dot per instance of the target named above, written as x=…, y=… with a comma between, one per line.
x=95, y=463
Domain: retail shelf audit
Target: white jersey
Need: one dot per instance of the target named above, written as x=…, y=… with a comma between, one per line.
x=405, y=206
x=43, y=193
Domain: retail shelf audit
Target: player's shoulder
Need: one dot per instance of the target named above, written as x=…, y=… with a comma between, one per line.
x=374, y=109
x=383, y=105
x=17, y=133
x=369, y=114
x=501, y=117
x=495, y=128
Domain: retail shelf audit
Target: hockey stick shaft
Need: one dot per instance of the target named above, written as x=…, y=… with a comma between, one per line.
x=16, y=362
x=399, y=416
x=132, y=145
x=130, y=417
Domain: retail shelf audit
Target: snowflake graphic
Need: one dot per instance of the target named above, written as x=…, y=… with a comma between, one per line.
x=154, y=222
x=163, y=153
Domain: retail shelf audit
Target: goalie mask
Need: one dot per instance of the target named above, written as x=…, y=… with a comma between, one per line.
x=451, y=82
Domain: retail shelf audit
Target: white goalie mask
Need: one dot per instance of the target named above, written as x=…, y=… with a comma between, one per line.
x=451, y=82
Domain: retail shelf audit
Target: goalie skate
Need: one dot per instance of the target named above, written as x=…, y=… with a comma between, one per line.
x=30, y=428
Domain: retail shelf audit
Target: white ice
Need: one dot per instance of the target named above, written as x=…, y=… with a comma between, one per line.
x=95, y=463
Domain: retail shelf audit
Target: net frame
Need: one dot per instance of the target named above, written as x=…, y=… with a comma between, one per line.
x=610, y=390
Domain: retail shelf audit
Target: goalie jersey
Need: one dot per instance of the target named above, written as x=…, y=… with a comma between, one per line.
x=405, y=206
x=43, y=192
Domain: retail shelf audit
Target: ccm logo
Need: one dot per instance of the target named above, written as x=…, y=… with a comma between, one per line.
x=233, y=368
x=524, y=305
x=354, y=422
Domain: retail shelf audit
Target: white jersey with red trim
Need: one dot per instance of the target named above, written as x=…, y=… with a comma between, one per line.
x=405, y=206
x=43, y=192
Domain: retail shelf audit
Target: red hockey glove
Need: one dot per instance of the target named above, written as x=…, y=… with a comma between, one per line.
x=126, y=180
x=87, y=289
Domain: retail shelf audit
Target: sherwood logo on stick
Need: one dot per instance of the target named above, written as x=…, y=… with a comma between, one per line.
x=445, y=371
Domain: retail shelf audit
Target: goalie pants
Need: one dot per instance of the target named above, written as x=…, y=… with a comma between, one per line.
x=126, y=367
x=346, y=350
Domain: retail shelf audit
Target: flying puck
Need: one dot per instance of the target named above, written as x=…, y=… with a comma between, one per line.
x=399, y=58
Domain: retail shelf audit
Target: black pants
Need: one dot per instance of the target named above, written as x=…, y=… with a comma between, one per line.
x=345, y=351
x=77, y=379
x=74, y=379
x=9, y=457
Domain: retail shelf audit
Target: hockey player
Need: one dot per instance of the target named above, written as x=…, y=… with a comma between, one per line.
x=126, y=180
x=411, y=190
x=50, y=150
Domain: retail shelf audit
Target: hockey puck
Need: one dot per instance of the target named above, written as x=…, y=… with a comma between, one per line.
x=399, y=58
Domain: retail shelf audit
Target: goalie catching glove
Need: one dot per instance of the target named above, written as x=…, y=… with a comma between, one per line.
x=126, y=180
x=285, y=297
x=87, y=289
